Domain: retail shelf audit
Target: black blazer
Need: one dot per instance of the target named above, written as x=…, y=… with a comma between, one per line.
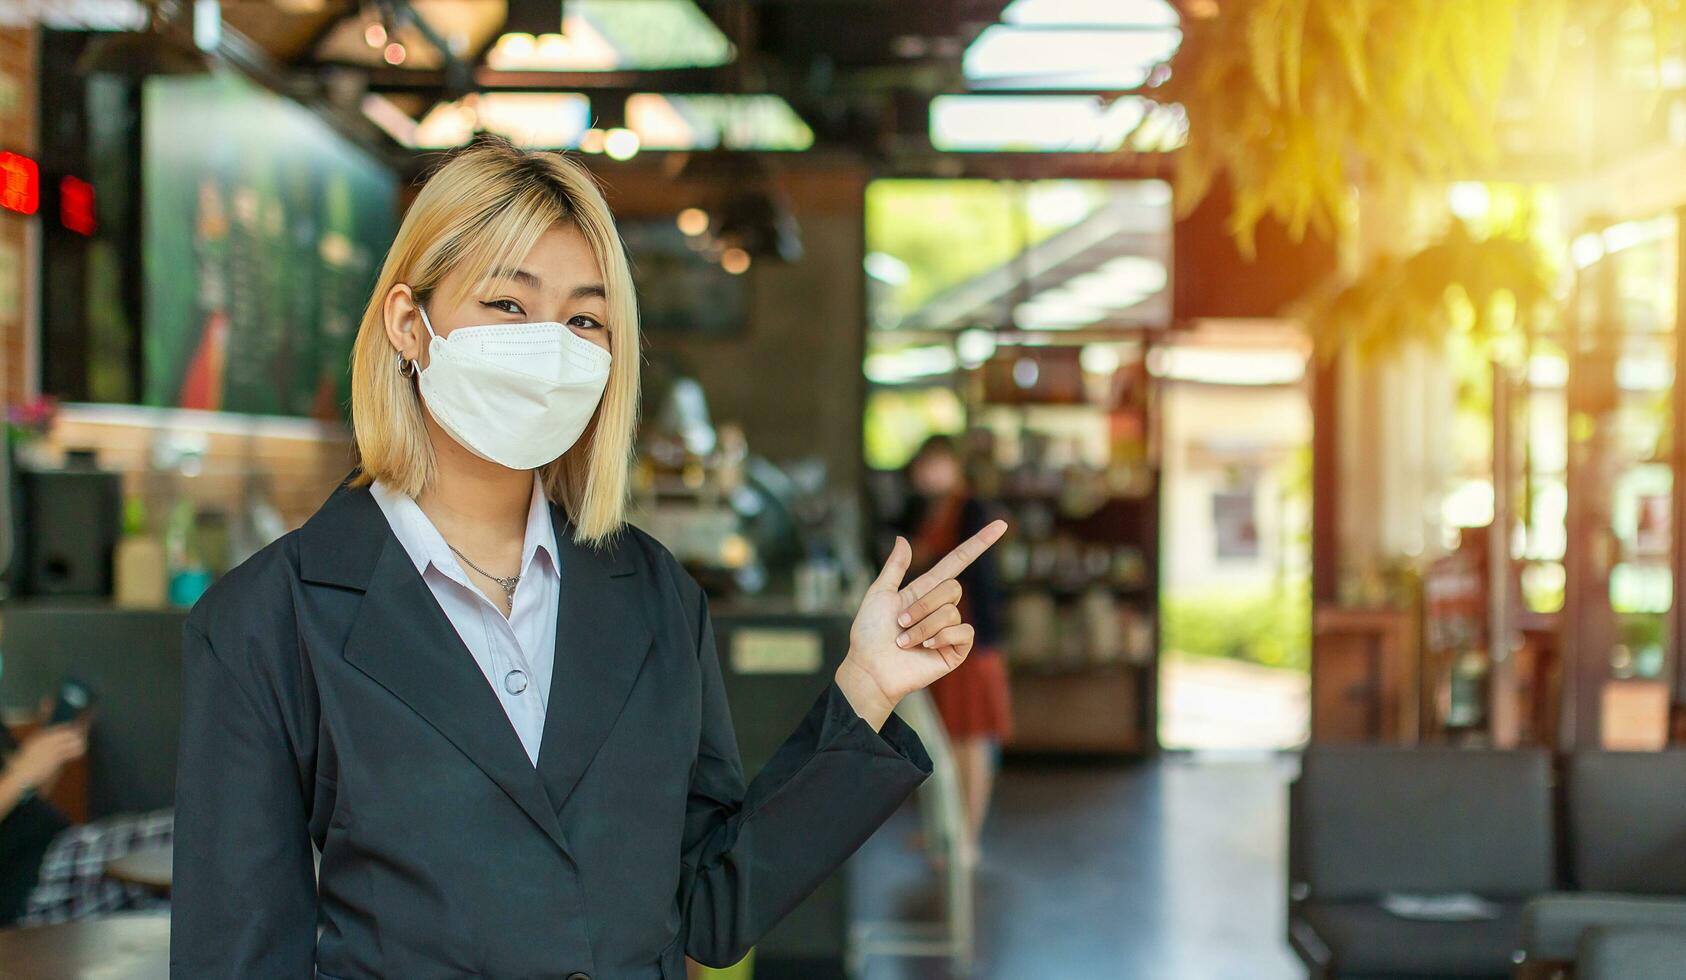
x=327, y=700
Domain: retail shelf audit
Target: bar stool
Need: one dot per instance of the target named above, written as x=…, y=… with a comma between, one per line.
x=942, y=809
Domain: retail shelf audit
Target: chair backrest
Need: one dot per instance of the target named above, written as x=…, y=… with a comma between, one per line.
x=1376, y=819
x=1627, y=821
x=1624, y=953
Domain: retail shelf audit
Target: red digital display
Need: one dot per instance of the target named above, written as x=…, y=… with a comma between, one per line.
x=76, y=205
x=20, y=183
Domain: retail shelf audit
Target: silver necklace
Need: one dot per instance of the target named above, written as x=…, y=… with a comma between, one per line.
x=506, y=584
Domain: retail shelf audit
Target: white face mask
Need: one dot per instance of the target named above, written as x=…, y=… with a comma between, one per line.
x=516, y=394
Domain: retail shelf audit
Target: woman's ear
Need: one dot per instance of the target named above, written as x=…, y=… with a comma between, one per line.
x=403, y=321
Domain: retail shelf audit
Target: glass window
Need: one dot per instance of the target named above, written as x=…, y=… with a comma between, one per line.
x=1038, y=255
x=1643, y=260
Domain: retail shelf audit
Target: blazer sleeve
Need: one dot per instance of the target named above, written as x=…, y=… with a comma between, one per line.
x=753, y=853
x=243, y=900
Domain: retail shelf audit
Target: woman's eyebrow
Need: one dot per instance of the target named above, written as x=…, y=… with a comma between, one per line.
x=593, y=290
x=521, y=276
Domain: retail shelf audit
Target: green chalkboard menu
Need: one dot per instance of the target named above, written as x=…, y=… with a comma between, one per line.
x=263, y=230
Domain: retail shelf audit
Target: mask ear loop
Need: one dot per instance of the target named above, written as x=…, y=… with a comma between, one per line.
x=407, y=367
x=426, y=322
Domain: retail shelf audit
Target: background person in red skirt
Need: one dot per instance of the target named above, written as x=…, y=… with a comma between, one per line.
x=973, y=699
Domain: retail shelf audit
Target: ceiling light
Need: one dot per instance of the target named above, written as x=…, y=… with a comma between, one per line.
x=1052, y=123
x=581, y=49
x=1063, y=57
x=701, y=121
x=533, y=37
x=735, y=261
x=535, y=120
x=515, y=46
x=375, y=34
x=207, y=24
x=551, y=47
x=1092, y=13
x=693, y=221
x=974, y=346
x=907, y=364
x=620, y=144
x=394, y=53
x=610, y=35
x=1099, y=358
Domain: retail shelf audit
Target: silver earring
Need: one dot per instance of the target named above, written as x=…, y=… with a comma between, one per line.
x=406, y=368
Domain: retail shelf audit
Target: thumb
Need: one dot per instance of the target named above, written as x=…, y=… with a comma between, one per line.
x=895, y=566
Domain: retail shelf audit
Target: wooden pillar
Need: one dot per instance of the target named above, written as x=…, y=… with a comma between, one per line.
x=1503, y=709
x=1675, y=665
x=1325, y=482
x=19, y=234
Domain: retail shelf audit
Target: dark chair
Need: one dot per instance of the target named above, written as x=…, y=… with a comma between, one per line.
x=1627, y=851
x=1367, y=821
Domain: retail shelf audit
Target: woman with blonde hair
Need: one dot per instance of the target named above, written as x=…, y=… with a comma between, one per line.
x=467, y=721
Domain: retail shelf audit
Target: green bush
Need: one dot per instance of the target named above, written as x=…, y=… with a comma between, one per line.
x=1271, y=627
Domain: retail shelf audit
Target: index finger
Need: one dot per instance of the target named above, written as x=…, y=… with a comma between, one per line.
x=955, y=561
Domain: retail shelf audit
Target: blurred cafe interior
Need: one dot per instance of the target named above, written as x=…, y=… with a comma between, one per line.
x=1321, y=354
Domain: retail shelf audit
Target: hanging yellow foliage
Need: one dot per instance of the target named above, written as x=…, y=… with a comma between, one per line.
x=1460, y=280
x=1293, y=100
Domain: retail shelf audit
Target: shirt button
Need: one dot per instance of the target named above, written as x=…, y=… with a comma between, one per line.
x=515, y=681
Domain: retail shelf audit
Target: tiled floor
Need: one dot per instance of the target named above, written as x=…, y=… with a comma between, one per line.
x=1155, y=871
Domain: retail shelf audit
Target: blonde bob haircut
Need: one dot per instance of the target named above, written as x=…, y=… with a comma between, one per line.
x=482, y=211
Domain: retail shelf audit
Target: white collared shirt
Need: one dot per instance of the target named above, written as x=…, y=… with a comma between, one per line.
x=517, y=654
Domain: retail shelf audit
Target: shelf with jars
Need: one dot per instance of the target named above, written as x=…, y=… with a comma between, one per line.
x=1068, y=455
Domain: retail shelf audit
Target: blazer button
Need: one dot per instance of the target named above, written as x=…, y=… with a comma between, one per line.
x=579, y=976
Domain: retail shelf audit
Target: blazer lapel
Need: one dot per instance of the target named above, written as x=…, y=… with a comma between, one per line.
x=403, y=640
x=602, y=639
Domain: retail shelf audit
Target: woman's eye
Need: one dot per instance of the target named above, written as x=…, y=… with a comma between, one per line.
x=505, y=305
x=590, y=323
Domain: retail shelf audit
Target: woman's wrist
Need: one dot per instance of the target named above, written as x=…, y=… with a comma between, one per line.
x=863, y=693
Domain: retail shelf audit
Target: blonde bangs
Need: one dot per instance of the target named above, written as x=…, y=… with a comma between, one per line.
x=481, y=213
x=502, y=241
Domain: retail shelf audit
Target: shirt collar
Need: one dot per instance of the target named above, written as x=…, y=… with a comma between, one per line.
x=540, y=538
x=424, y=544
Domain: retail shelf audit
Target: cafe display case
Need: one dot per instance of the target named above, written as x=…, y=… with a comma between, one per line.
x=1070, y=460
